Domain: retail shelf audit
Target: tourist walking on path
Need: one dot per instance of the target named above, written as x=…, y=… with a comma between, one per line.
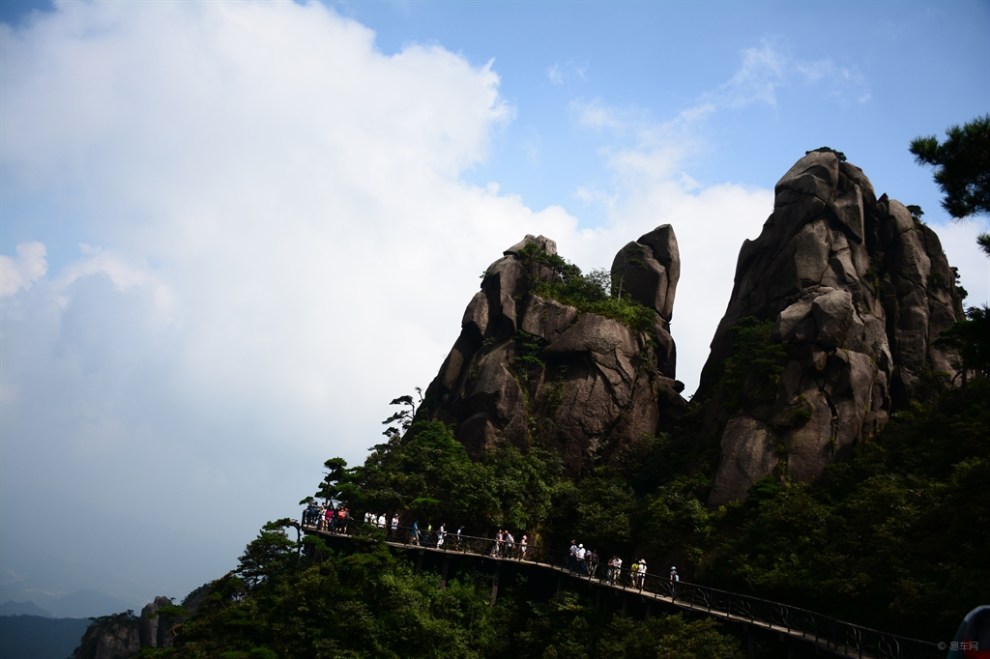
x=582, y=553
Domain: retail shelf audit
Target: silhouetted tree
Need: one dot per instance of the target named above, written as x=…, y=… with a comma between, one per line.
x=962, y=166
x=403, y=417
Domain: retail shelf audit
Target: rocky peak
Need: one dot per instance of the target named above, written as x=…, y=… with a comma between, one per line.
x=648, y=270
x=529, y=367
x=830, y=327
x=123, y=635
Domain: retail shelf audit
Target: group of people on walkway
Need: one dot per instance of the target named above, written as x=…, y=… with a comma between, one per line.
x=585, y=562
x=425, y=537
x=581, y=561
x=506, y=547
x=381, y=521
x=327, y=517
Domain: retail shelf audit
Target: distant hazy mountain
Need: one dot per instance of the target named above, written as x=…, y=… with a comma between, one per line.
x=35, y=637
x=23, y=609
x=78, y=604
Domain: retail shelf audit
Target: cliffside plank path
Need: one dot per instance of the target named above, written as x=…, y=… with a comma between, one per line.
x=835, y=637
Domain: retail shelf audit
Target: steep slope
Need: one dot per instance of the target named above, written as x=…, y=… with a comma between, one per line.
x=830, y=328
x=533, y=365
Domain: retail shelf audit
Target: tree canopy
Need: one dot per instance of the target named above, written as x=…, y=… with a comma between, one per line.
x=962, y=166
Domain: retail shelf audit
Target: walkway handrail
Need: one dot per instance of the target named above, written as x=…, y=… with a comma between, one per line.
x=839, y=636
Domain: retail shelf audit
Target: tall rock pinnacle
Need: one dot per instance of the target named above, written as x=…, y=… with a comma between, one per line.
x=831, y=326
x=530, y=369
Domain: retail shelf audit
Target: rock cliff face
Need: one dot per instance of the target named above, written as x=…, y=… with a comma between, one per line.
x=528, y=368
x=830, y=327
x=123, y=636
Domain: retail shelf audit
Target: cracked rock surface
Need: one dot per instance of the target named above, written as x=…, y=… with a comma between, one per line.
x=854, y=292
x=528, y=369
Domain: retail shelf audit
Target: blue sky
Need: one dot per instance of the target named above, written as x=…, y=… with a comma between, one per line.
x=231, y=232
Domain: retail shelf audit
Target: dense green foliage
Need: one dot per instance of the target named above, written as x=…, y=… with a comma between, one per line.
x=962, y=169
x=320, y=603
x=971, y=338
x=892, y=538
x=895, y=538
x=428, y=475
x=962, y=166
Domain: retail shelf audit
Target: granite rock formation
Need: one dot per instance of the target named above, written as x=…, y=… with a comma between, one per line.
x=851, y=293
x=528, y=368
x=122, y=636
x=111, y=637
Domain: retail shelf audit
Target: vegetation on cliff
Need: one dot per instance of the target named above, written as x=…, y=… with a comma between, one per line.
x=320, y=603
x=894, y=538
x=588, y=293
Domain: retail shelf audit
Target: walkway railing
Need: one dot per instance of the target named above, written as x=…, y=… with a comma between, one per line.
x=842, y=638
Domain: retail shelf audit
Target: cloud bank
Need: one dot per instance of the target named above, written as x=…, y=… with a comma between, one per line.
x=275, y=232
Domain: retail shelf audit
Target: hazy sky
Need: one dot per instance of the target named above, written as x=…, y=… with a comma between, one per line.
x=231, y=232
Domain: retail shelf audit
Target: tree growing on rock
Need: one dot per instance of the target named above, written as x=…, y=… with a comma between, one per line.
x=962, y=166
x=962, y=169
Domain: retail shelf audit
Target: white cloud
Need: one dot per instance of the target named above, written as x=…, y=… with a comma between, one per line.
x=710, y=225
x=17, y=274
x=762, y=72
x=561, y=74
x=284, y=245
x=959, y=242
x=768, y=69
x=594, y=114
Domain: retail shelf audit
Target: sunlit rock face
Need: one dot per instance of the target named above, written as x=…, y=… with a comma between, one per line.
x=849, y=294
x=528, y=369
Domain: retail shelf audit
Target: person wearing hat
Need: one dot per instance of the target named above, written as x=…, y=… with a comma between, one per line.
x=642, y=574
x=674, y=578
x=582, y=566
